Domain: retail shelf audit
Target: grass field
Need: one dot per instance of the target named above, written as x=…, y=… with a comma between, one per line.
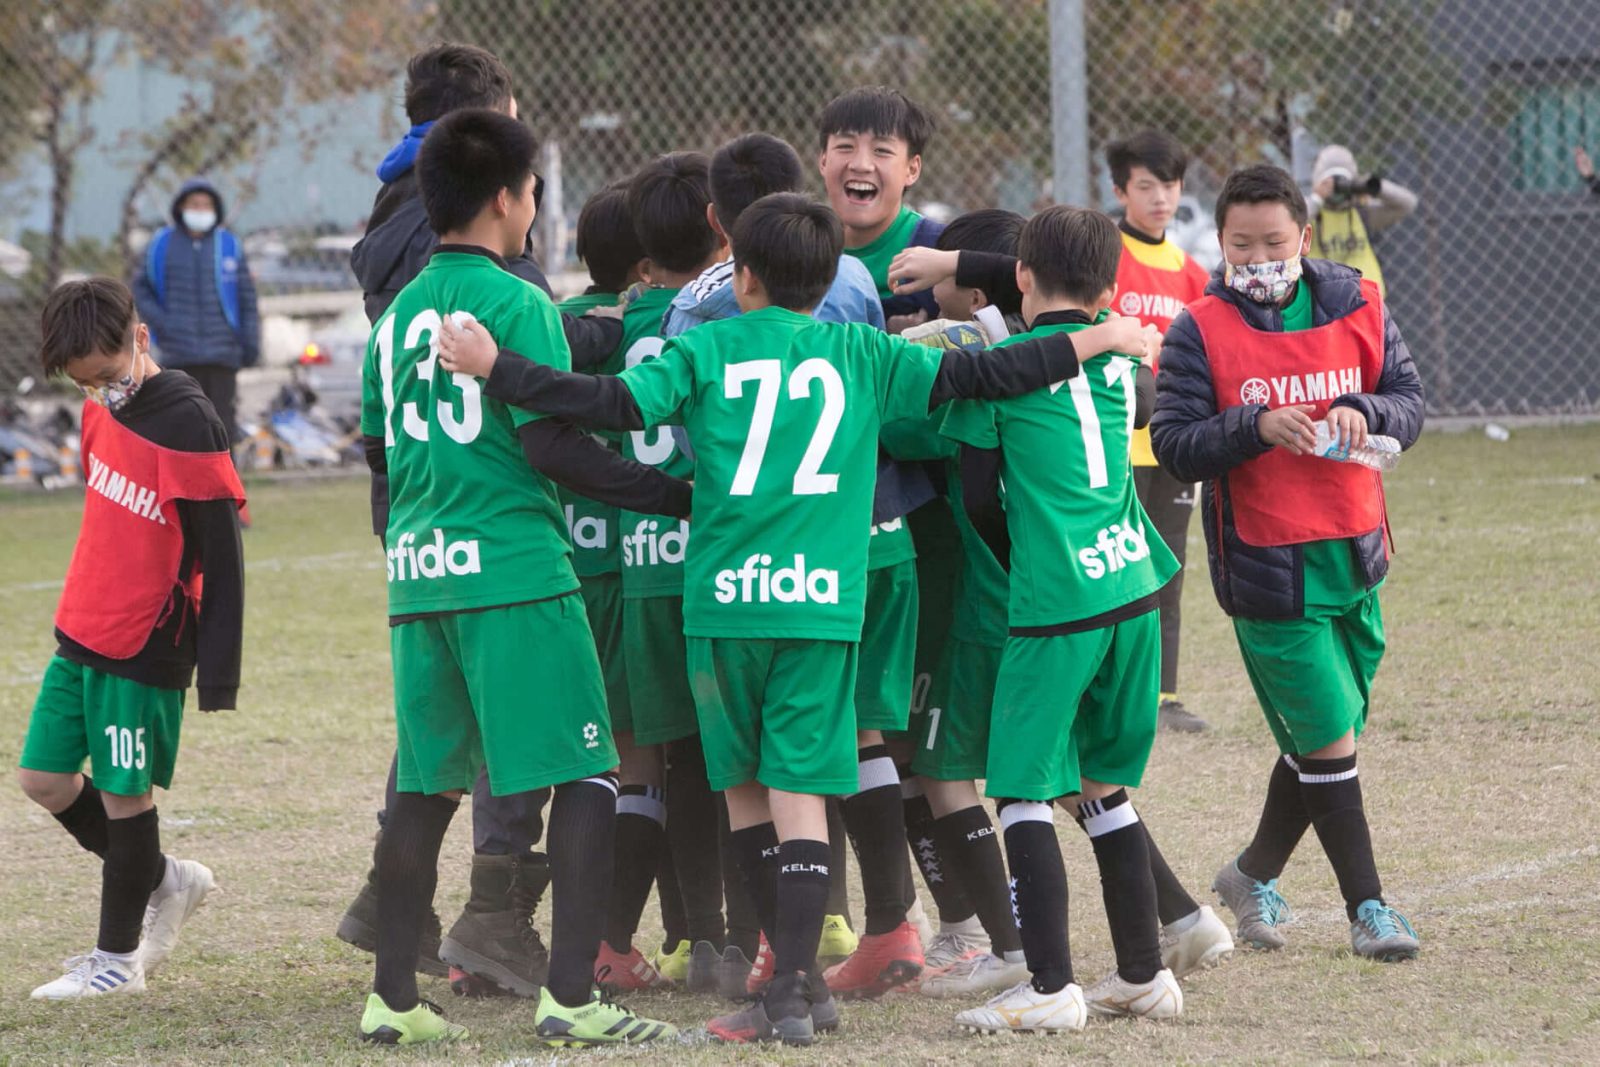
x=1479, y=766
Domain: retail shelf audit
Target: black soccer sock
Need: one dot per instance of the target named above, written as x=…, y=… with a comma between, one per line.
x=692, y=842
x=133, y=863
x=1173, y=901
x=967, y=842
x=744, y=925
x=674, y=924
x=1332, y=794
x=756, y=848
x=407, y=862
x=1283, y=823
x=876, y=823
x=85, y=819
x=839, y=849
x=641, y=833
x=582, y=843
x=942, y=871
x=1122, y=852
x=802, y=894
x=1039, y=890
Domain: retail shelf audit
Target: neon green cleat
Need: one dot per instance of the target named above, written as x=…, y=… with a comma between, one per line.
x=599, y=1022
x=674, y=965
x=382, y=1025
x=838, y=941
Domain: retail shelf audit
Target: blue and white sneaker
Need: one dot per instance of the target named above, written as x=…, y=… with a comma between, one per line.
x=1383, y=934
x=95, y=975
x=1259, y=907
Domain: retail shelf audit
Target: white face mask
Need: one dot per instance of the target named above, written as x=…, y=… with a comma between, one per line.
x=199, y=220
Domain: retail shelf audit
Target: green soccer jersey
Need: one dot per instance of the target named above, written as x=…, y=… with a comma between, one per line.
x=470, y=525
x=877, y=254
x=653, y=546
x=983, y=588
x=784, y=414
x=1080, y=542
x=591, y=526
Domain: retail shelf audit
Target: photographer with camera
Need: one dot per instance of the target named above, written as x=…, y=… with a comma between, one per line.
x=1347, y=206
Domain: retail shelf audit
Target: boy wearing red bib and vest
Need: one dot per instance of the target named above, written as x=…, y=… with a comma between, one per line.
x=155, y=588
x=1155, y=279
x=1297, y=543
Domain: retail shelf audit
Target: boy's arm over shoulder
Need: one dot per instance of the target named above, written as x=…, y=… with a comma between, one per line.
x=1394, y=408
x=1193, y=441
x=662, y=388
x=980, y=496
x=591, y=339
x=574, y=459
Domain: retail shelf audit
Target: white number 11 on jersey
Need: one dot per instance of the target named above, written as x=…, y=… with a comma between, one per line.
x=1094, y=446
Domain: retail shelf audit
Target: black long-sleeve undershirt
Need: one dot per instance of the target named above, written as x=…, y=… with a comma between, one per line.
x=566, y=455
x=980, y=495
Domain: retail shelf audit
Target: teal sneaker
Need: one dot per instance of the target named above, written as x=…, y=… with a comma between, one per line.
x=599, y=1022
x=1383, y=934
x=1259, y=907
x=424, y=1023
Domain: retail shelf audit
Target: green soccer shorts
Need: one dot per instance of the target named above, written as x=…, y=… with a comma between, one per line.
x=127, y=731
x=953, y=743
x=888, y=649
x=1075, y=706
x=1313, y=676
x=658, y=675
x=602, y=602
x=776, y=712
x=516, y=687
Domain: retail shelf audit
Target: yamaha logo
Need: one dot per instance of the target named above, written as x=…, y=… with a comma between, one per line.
x=1129, y=304
x=1254, y=391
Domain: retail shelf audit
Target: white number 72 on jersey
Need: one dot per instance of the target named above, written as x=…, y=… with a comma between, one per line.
x=767, y=374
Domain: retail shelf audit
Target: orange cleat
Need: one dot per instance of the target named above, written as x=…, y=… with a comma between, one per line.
x=880, y=963
x=628, y=972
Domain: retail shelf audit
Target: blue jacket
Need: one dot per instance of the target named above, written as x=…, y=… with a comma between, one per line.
x=1194, y=442
x=196, y=294
x=852, y=298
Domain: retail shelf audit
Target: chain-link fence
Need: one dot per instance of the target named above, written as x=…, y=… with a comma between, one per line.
x=1475, y=106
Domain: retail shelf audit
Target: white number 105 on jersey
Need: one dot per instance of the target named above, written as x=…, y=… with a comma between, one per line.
x=767, y=375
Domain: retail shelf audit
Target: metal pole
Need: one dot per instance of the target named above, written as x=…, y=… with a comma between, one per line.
x=1069, y=104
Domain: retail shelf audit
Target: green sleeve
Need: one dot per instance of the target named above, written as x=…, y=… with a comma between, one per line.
x=663, y=387
x=905, y=374
x=973, y=422
x=373, y=416
x=918, y=439
x=534, y=332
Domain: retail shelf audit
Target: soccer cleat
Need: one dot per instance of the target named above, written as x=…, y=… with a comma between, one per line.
x=1258, y=906
x=782, y=1013
x=1173, y=716
x=626, y=972
x=673, y=966
x=838, y=941
x=180, y=893
x=1195, y=942
x=760, y=971
x=494, y=938
x=983, y=973
x=1024, y=1008
x=1383, y=934
x=423, y=1024
x=953, y=944
x=601, y=1021
x=94, y=975
x=917, y=916
x=1159, y=998
x=463, y=984
x=705, y=965
x=733, y=974
x=879, y=964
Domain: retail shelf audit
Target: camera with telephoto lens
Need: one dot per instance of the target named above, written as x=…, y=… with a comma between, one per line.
x=1350, y=188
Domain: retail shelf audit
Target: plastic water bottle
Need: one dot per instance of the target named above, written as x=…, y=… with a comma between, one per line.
x=1380, y=453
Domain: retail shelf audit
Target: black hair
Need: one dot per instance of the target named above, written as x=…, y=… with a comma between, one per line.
x=1261, y=183
x=792, y=245
x=94, y=316
x=450, y=77
x=877, y=110
x=667, y=200
x=1072, y=252
x=1159, y=153
x=467, y=158
x=748, y=168
x=607, y=242
x=988, y=230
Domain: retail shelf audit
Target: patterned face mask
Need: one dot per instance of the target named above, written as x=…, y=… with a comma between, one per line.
x=116, y=395
x=1265, y=283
